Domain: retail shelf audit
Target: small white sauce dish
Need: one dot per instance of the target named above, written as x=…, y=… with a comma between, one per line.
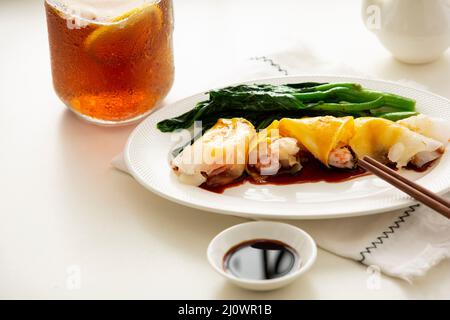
x=301, y=242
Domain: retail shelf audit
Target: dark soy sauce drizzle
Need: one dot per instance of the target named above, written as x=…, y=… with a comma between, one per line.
x=260, y=259
x=312, y=171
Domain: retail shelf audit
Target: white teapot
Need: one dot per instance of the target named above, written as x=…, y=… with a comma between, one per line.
x=414, y=31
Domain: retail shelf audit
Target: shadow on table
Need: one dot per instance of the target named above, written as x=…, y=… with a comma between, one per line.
x=300, y=289
x=435, y=77
x=87, y=146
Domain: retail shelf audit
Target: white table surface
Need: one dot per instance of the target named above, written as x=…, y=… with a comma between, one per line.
x=66, y=215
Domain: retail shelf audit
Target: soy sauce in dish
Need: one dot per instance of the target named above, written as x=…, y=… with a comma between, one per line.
x=261, y=259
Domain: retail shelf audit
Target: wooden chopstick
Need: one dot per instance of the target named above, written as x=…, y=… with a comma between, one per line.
x=409, y=187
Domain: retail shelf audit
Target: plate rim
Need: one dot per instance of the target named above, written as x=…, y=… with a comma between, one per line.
x=401, y=203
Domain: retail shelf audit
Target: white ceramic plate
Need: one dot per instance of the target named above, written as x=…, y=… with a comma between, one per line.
x=147, y=154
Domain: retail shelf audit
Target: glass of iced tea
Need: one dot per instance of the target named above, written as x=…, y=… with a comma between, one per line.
x=112, y=60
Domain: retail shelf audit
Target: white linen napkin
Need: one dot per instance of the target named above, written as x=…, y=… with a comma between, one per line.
x=404, y=243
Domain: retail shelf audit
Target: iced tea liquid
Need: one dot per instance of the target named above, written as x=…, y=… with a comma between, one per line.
x=112, y=71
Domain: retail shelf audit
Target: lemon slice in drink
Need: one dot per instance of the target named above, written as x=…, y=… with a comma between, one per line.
x=127, y=35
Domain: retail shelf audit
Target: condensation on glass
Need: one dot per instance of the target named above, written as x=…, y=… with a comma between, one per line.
x=112, y=60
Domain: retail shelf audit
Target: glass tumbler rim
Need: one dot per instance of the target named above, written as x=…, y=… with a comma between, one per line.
x=91, y=7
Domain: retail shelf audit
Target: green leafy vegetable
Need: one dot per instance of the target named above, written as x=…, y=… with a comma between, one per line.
x=261, y=104
x=395, y=116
